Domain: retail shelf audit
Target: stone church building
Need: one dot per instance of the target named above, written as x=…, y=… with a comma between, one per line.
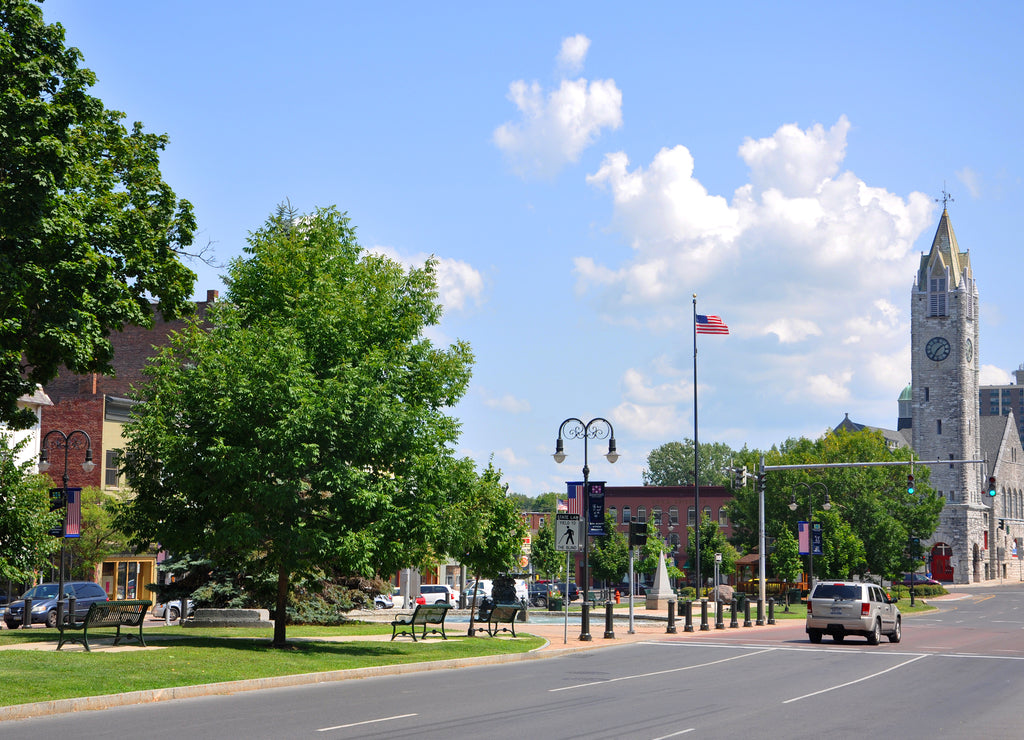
x=940, y=416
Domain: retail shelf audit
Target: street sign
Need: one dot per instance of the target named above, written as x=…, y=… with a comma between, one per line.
x=568, y=532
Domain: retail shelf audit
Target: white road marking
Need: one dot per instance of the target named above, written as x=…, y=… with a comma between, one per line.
x=851, y=683
x=674, y=734
x=366, y=722
x=658, y=673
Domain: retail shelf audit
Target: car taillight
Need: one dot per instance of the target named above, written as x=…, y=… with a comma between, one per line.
x=865, y=607
x=809, y=609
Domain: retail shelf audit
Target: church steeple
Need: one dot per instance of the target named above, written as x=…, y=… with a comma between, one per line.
x=944, y=260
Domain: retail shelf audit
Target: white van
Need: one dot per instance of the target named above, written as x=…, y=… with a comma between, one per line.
x=477, y=591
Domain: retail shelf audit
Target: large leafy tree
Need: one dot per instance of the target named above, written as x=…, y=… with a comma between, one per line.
x=547, y=559
x=99, y=538
x=609, y=554
x=25, y=516
x=671, y=464
x=869, y=504
x=712, y=541
x=306, y=424
x=89, y=232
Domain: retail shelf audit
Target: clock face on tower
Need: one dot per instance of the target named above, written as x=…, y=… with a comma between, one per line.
x=970, y=350
x=937, y=349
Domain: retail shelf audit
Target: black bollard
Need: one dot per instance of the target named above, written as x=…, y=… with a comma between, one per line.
x=69, y=618
x=688, y=616
x=771, y=611
x=585, y=622
x=671, y=629
x=704, y=616
x=26, y=616
x=733, y=624
x=746, y=613
x=609, y=620
x=719, y=615
x=760, y=613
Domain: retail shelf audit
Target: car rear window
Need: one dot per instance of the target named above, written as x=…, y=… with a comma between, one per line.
x=836, y=591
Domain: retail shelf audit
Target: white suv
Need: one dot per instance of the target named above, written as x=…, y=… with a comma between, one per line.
x=437, y=593
x=842, y=608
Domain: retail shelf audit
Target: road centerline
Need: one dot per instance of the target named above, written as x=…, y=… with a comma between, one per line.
x=855, y=681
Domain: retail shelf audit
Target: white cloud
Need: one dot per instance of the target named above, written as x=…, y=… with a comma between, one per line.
x=993, y=375
x=792, y=330
x=827, y=389
x=970, y=180
x=573, y=53
x=796, y=161
x=458, y=282
x=508, y=403
x=555, y=127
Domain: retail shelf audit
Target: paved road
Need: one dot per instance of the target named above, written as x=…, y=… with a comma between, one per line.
x=959, y=673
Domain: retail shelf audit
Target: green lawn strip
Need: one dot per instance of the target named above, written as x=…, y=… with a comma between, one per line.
x=186, y=659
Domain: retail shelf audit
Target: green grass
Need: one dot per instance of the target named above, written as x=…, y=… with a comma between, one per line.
x=199, y=655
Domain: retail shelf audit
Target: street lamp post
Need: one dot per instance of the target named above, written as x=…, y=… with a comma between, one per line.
x=596, y=428
x=810, y=515
x=66, y=442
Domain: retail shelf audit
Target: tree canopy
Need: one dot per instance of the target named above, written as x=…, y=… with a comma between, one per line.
x=872, y=516
x=305, y=423
x=671, y=464
x=89, y=232
x=25, y=516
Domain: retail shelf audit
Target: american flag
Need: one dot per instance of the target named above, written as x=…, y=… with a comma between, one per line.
x=73, y=513
x=562, y=506
x=575, y=505
x=803, y=537
x=711, y=325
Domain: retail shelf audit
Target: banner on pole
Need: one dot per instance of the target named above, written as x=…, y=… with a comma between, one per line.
x=595, y=509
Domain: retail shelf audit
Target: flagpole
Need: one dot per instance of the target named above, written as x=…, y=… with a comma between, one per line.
x=696, y=468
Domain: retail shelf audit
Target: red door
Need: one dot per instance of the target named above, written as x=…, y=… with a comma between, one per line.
x=942, y=570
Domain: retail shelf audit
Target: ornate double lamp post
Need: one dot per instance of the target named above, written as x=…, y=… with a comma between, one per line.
x=810, y=515
x=64, y=442
x=596, y=428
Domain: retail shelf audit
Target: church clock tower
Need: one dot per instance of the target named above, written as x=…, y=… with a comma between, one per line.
x=944, y=407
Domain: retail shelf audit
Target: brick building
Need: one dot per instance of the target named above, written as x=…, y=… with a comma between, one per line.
x=99, y=405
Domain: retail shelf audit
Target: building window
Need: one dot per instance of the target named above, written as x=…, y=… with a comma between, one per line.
x=706, y=514
x=625, y=515
x=673, y=516
x=937, y=297
x=691, y=516
x=614, y=512
x=656, y=515
x=938, y=426
x=112, y=475
x=723, y=517
x=926, y=393
x=951, y=465
x=641, y=514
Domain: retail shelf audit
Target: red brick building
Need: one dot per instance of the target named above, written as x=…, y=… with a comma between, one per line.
x=99, y=405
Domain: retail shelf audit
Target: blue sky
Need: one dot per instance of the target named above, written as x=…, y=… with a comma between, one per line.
x=581, y=171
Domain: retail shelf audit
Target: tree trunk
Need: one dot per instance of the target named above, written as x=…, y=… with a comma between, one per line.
x=281, y=613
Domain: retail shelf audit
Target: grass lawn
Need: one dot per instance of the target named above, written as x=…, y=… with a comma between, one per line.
x=186, y=657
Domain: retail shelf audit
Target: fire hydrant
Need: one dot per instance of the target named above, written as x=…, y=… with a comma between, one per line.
x=618, y=597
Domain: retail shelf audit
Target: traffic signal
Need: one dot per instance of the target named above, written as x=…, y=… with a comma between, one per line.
x=637, y=534
x=762, y=481
x=991, y=485
x=910, y=484
x=739, y=477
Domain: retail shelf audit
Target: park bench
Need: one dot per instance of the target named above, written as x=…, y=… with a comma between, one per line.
x=423, y=616
x=125, y=613
x=500, y=614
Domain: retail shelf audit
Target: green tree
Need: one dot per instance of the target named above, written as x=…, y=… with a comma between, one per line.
x=785, y=560
x=712, y=540
x=609, y=555
x=25, y=516
x=89, y=232
x=672, y=464
x=547, y=561
x=99, y=538
x=306, y=424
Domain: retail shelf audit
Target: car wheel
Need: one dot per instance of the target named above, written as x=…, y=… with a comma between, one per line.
x=815, y=636
x=440, y=601
x=51, y=618
x=838, y=637
x=876, y=633
x=542, y=603
x=175, y=613
x=897, y=632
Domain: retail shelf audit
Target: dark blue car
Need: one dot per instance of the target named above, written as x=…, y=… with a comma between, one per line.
x=44, y=602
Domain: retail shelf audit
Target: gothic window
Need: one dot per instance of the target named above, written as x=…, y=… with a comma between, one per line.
x=937, y=297
x=625, y=515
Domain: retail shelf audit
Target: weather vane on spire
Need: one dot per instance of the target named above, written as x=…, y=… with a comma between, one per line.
x=946, y=197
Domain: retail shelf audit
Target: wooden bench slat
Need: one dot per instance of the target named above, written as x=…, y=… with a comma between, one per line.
x=503, y=613
x=424, y=615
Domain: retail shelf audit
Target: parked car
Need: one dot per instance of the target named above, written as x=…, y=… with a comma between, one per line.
x=478, y=591
x=918, y=579
x=540, y=593
x=437, y=593
x=383, y=601
x=174, y=606
x=572, y=590
x=44, y=602
x=841, y=608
